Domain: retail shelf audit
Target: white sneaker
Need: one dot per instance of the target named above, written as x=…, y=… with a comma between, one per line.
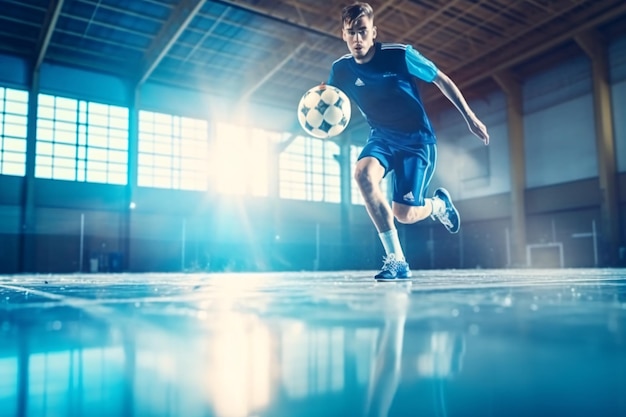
x=450, y=216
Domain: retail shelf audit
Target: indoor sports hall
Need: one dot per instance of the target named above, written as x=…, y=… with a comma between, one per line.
x=174, y=242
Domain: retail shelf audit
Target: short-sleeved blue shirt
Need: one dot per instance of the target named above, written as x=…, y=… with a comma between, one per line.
x=385, y=89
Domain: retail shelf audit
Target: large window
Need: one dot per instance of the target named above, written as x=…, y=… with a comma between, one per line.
x=240, y=159
x=13, y=128
x=309, y=170
x=172, y=152
x=81, y=141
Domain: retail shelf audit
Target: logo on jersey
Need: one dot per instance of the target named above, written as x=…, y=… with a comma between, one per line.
x=409, y=197
x=389, y=74
x=359, y=82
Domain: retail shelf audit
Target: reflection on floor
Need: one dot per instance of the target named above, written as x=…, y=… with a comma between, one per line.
x=446, y=343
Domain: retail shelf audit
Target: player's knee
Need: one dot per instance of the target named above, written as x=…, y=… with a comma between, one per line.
x=363, y=178
x=368, y=173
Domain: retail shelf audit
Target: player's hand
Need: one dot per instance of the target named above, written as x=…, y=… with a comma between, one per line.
x=322, y=85
x=479, y=129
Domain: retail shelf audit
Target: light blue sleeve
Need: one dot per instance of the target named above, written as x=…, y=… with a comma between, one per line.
x=419, y=65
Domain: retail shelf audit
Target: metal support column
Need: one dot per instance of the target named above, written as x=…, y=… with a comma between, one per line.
x=515, y=121
x=596, y=50
x=27, y=253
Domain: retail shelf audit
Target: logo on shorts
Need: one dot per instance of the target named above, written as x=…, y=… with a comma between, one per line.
x=409, y=197
x=359, y=82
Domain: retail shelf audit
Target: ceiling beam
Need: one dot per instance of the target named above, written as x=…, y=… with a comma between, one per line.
x=299, y=11
x=301, y=23
x=50, y=22
x=537, y=49
x=526, y=32
x=168, y=35
x=95, y=63
x=438, y=12
x=504, y=40
x=284, y=19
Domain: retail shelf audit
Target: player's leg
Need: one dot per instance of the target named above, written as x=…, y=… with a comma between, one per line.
x=369, y=172
x=368, y=175
x=412, y=214
x=439, y=207
x=413, y=176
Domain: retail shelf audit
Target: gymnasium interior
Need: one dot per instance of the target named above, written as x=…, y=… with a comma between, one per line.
x=173, y=243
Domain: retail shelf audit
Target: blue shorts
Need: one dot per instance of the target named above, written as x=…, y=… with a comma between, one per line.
x=412, y=169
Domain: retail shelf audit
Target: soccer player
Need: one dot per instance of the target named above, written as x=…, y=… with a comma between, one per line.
x=381, y=79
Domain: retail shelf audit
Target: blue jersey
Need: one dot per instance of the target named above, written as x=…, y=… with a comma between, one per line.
x=386, y=92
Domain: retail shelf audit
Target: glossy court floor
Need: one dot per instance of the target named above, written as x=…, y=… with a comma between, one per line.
x=446, y=343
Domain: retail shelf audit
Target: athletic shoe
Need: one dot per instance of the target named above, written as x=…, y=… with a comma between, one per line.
x=450, y=217
x=393, y=269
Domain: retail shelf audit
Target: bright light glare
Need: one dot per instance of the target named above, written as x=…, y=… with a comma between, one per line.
x=240, y=160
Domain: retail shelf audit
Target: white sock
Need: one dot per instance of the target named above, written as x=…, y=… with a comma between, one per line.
x=439, y=207
x=391, y=243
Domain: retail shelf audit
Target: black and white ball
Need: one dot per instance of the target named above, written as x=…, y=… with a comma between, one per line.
x=324, y=111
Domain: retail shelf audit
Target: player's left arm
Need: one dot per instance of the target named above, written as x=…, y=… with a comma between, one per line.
x=452, y=92
x=424, y=69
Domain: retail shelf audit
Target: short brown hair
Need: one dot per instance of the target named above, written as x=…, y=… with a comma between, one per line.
x=354, y=11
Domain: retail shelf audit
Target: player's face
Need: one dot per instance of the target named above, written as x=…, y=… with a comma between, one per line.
x=360, y=36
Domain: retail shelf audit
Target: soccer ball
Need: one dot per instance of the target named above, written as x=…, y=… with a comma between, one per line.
x=324, y=111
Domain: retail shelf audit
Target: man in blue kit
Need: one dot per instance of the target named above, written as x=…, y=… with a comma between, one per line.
x=381, y=79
